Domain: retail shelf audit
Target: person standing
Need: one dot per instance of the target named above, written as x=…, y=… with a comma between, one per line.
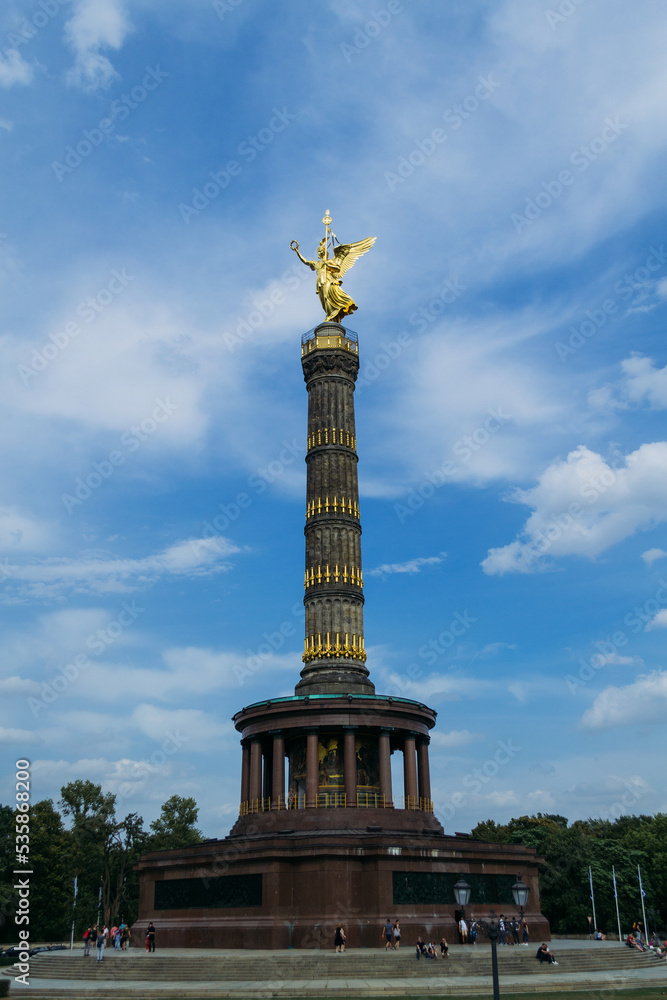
x=339, y=939
x=101, y=942
x=86, y=942
x=463, y=931
x=501, y=929
x=473, y=931
x=388, y=932
x=150, y=942
x=515, y=931
x=524, y=931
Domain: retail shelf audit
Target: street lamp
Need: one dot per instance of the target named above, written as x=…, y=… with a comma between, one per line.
x=520, y=891
x=462, y=893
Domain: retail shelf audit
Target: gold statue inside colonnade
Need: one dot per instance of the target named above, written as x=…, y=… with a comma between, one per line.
x=330, y=270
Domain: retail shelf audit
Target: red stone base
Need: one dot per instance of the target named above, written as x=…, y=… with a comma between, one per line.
x=314, y=877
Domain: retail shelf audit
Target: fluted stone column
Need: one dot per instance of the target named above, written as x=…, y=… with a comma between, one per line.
x=278, y=797
x=384, y=747
x=267, y=775
x=334, y=656
x=410, y=771
x=245, y=772
x=312, y=768
x=255, y=770
x=424, y=771
x=350, y=766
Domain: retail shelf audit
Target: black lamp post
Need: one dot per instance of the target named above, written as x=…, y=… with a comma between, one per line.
x=490, y=928
x=462, y=893
x=520, y=891
x=462, y=896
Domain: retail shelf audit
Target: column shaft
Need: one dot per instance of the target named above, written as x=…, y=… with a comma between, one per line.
x=245, y=772
x=424, y=772
x=409, y=772
x=267, y=777
x=385, y=768
x=312, y=769
x=255, y=770
x=278, y=798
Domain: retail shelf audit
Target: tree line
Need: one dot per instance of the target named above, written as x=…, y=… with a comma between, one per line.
x=83, y=837
x=570, y=849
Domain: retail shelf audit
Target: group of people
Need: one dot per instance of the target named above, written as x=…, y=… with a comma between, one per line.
x=391, y=934
x=430, y=950
x=95, y=937
x=635, y=941
x=510, y=928
x=119, y=936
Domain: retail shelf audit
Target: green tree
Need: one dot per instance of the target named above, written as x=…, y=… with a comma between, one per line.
x=52, y=884
x=7, y=843
x=105, y=847
x=175, y=826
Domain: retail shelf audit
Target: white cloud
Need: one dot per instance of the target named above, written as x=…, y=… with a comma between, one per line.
x=411, y=566
x=642, y=384
x=583, y=506
x=13, y=69
x=640, y=703
x=658, y=621
x=96, y=24
x=19, y=736
x=541, y=799
x=19, y=531
x=455, y=738
x=17, y=686
x=651, y=555
x=192, y=729
x=50, y=578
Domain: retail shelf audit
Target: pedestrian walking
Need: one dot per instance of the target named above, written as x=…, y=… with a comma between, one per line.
x=397, y=936
x=388, y=934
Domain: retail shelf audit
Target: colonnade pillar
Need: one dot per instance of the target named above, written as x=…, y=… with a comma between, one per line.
x=424, y=772
x=312, y=768
x=410, y=770
x=350, y=766
x=267, y=772
x=384, y=753
x=255, y=770
x=278, y=796
x=245, y=772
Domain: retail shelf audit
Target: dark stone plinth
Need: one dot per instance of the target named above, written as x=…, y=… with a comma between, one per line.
x=309, y=881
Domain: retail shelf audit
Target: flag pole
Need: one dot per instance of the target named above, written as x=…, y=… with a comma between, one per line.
x=76, y=892
x=618, y=918
x=590, y=879
x=641, y=890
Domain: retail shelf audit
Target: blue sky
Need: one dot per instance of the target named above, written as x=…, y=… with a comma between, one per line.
x=157, y=160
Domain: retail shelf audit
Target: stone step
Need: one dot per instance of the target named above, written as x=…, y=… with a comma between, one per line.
x=231, y=992
x=142, y=967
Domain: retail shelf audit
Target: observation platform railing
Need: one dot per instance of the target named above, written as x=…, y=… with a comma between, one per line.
x=337, y=800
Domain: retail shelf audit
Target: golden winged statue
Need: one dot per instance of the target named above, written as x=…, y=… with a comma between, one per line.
x=330, y=270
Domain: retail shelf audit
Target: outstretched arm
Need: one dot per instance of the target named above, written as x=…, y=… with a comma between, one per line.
x=295, y=247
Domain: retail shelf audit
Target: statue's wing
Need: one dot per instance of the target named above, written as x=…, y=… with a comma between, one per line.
x=347, y=253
